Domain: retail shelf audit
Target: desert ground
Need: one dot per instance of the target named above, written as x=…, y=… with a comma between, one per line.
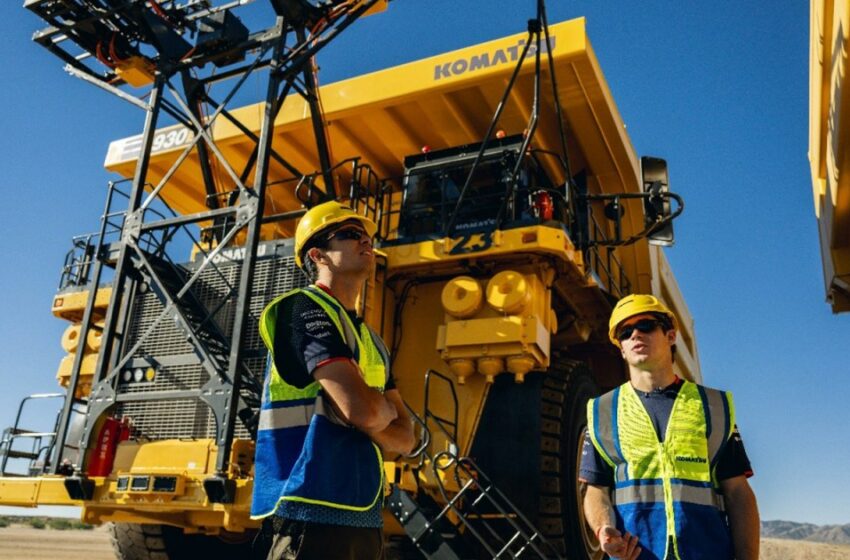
x=18, y=542
x=781, y=549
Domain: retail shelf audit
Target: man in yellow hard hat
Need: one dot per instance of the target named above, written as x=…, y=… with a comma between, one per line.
x=665, y=468
x=330, y=407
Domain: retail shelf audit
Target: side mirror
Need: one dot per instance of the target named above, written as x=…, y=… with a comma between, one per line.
x=656, y=207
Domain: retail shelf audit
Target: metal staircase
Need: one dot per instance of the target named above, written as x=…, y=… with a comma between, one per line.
x=477, y=517
x=171, y=283
x=33, y=447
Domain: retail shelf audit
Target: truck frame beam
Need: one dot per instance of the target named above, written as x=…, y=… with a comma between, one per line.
x=142, y=252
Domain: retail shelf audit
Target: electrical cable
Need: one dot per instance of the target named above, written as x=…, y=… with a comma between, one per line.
x=113, y=54
x=98, y=53
x=161, y=13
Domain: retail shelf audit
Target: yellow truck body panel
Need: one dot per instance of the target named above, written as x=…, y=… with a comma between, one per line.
x=440, y=102
x=829, y=142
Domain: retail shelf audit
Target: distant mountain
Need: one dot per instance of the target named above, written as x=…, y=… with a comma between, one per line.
x=836, y=534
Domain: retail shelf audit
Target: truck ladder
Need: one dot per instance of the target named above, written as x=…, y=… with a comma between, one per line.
x=38, y=446
x=484, y=514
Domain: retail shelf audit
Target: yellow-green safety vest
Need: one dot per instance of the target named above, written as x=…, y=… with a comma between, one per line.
x=303, y=452
x=665, y=492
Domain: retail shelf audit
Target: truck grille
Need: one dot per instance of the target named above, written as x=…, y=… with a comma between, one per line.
x=177, y=366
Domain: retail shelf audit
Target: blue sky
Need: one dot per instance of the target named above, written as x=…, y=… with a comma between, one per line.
x=718, y=89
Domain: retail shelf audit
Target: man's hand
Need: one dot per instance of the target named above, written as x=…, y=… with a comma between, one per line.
x=599, y=513
x=617, y=545
x=398, y=436
x=355, y=402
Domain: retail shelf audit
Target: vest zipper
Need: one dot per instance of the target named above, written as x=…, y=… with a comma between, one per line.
x=670, y=513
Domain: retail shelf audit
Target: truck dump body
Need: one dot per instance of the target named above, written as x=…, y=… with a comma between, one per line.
x=829, y=140
x=439, y=102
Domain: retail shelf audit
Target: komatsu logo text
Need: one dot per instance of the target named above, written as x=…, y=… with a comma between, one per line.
x=686, y=459
x=487, y=59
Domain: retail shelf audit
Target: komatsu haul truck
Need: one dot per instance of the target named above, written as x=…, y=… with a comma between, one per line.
x=513, y=212
x=829, y=138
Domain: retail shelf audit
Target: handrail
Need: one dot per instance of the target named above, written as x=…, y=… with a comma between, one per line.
x=475, y=489
x=617, y=282
x=13, y=433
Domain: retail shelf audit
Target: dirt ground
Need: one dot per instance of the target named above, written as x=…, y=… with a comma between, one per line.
x=19, y=542
x=781, y=549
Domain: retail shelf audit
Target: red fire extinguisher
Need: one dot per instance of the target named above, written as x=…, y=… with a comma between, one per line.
x=543, y=205
x=112, y=432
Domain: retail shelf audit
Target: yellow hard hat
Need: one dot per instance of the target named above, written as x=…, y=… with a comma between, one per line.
x=323, y=216
x=636, y=304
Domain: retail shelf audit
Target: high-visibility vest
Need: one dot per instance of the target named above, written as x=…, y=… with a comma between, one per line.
x=303, y=452
x=666, y=492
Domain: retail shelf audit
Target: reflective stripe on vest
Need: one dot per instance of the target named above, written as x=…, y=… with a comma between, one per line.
x=667, y=490
x=300, y=440
x=653, y=491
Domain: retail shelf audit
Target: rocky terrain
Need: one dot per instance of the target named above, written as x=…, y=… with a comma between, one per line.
x=836, y=534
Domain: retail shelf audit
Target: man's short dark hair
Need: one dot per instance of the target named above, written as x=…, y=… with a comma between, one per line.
x=319, y=241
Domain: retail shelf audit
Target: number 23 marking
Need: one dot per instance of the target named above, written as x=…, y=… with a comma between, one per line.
x=483, y=241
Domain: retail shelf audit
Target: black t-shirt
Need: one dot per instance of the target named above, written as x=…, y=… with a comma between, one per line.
x=305, y=338
x=732, y=462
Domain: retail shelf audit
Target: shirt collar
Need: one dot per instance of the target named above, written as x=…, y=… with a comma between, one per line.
x=670, y=390
x=328, y=291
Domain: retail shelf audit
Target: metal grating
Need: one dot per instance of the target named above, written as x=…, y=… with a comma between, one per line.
x=165, y=339
x=174, y=419
x=179, y=369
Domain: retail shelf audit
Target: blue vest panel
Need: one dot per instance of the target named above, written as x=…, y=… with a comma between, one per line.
x=304, y=453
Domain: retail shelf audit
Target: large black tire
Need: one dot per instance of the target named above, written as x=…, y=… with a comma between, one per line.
x=132, y=541
x=529, y=443
x=567, y=387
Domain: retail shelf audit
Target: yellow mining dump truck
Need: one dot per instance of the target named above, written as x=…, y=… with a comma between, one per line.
x=829, y=139
x=513, y=212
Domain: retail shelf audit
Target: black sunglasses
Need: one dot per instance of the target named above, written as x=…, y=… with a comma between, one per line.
x=350, y=233
x=645, y=326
